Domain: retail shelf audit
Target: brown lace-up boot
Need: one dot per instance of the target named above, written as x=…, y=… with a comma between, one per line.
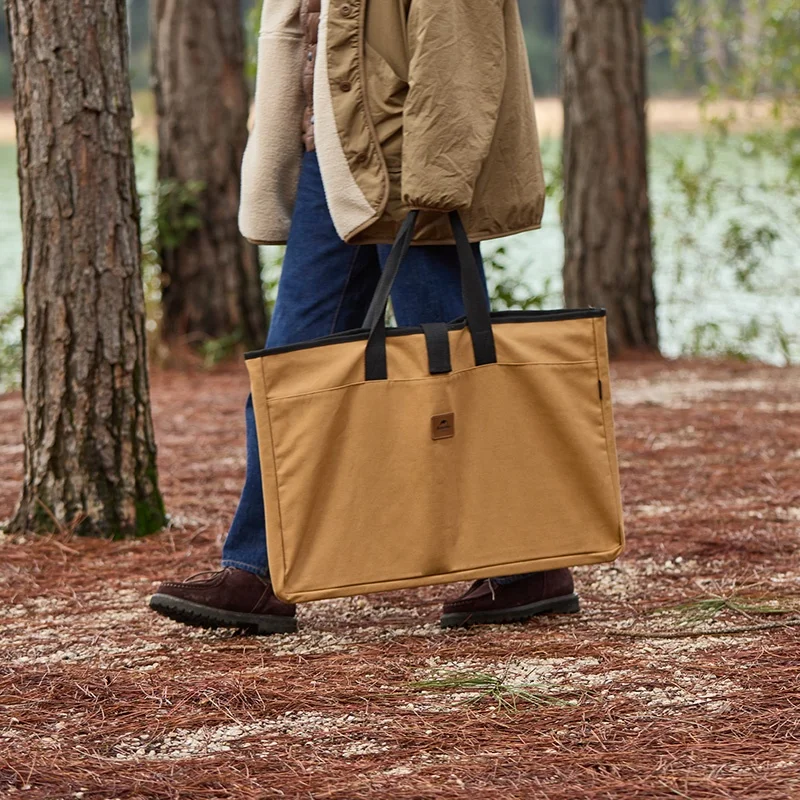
x=487, y=602
x=230, y=598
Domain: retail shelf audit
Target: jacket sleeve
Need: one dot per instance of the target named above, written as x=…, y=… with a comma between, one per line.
x=456, y=78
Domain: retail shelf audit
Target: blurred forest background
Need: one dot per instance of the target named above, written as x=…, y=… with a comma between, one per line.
x=541, y=19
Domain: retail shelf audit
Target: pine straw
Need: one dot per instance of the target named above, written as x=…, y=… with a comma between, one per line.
x=99, y=698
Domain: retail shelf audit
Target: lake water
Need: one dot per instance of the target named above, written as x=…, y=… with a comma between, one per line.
x=702, y=306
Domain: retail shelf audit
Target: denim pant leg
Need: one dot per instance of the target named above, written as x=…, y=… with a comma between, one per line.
x=311, y=302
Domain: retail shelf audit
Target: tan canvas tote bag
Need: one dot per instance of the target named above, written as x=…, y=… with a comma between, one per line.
x=447, y=452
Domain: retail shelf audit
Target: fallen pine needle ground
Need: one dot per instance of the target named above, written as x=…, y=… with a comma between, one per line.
x=679, y=679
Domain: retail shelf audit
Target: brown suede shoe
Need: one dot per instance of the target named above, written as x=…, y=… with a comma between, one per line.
x=230, y=598
x=487, y=602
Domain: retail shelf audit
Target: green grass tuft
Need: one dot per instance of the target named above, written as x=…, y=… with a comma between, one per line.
x=705, y=609
x=484, y=686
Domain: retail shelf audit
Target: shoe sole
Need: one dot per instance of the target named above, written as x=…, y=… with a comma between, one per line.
x=566, y=604
x=200, y=616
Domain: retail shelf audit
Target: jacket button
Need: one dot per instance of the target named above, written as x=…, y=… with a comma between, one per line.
x=346, y=10
x=345, y=86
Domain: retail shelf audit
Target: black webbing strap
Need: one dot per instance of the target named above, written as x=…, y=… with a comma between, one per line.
x=473, y=293
x=377, y=308
x=438, y=343
x=375, y=321
x=375, y=368
x=476, y=302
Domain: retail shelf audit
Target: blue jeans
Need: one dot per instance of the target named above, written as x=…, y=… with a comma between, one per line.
x=325, y=287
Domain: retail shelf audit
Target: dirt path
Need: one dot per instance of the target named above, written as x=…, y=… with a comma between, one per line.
x=99, y=698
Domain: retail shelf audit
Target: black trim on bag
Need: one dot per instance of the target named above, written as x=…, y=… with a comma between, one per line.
x=497, y=317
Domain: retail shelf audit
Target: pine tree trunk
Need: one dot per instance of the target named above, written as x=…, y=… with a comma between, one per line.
x=716, y=64
x=90, y=456
x=212, y=281
x=752, y=30
x=608, y=249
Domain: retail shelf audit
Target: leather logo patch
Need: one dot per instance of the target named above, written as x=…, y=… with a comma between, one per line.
x=443, y=426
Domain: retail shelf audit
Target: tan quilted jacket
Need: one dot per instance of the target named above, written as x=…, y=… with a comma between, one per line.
x=421, y=104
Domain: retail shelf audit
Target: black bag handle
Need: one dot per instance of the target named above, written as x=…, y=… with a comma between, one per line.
x=473, y=293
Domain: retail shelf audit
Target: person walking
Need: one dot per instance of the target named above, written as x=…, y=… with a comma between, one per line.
x=364, y=111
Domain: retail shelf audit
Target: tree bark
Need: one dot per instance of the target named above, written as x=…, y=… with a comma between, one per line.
x=90, y=456
x=211, y=277
x=608, y=248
